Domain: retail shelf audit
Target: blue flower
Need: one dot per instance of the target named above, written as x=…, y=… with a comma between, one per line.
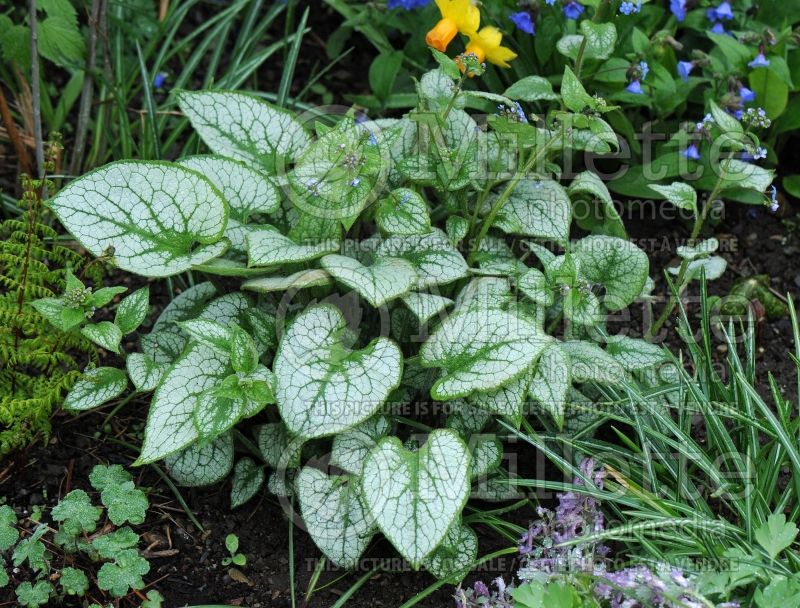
x=723, y=11
x=737, y=114
x=629, y=8
x=644, y=69
x=760, y=153
x=692, y=152
x=159, y=80
x=408, y=5
x=549, y=2
x=684, y=69
x=635, y=87
x=759, y=62
x=718, y=28
x=355, y=182
x=746, y=94
x=678, y=8
x=773, y=196
x=573, y=10
x=523, y=22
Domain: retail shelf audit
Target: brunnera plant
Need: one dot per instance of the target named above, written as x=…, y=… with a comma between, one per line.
x=358, y=272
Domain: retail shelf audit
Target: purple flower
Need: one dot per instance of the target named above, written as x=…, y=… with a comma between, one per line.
x=408, y=5
x=481, y=589
x=678, y=8
x=523, y=21
x=635, y=87
x=746, y=94
x=723, y=11
x=760, y=61
x=684, y=69
x=692, y=152
x=573, y=10
x=159, y=80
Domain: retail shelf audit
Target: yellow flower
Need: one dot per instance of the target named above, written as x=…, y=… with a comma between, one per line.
x=457, y=16
x=485, y=45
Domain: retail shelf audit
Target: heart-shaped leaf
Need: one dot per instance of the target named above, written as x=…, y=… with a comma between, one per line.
x=351, y=448
x=248, y=478
x=97, y=386
x=453, y=558
x=158, y=219
x=435, y=259
x=144, y=372
x=268, y=247
x=480, y=350
x=415, y=496
x=619, y=265
x=202, y=464
x=323, y=387
x=403, y=211
x=170, y=421
x=244, y=127
x=335, y=515
x=538, y=208
x=385, y=280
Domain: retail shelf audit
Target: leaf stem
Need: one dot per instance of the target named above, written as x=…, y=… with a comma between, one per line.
x=534, y=160
x=698, y=226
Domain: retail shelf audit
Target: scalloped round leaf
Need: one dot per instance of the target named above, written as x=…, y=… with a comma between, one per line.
x=416, y=496
x=244, y=127
x=268, y=247
x=335, y=515
x=386, y=279
x=144, y=372
x=404, y=212
x=435, y=259
x=551, y=381
x=248, y=478
x=322, y=387
x=481, y=350
x=351, y=448
x=170, y=421
x=96, y=387
x=246, y=190
x=453, y=558
x=539, y=208
x=202, y=464
x=159, y=219
x=619, y=265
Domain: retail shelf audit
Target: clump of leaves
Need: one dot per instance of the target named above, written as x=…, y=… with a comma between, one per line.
x=80, y=537
x=458, y=271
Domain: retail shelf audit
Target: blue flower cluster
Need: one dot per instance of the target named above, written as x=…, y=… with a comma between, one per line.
x=639, y=73
x=717, y=15
x=408, y=5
